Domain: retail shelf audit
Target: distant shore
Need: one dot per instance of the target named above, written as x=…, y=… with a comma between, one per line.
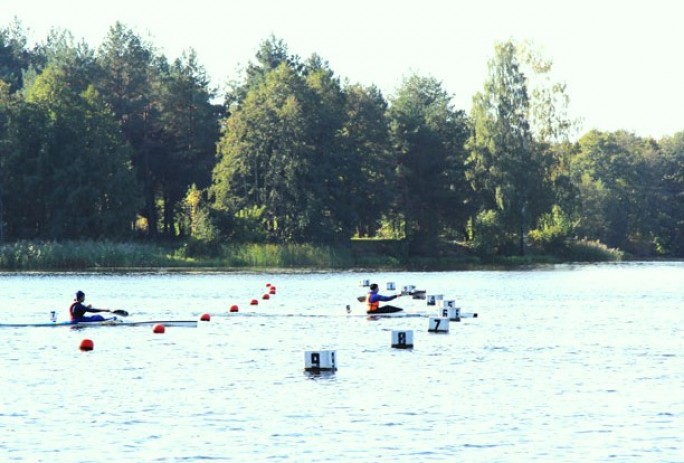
x=112, y=256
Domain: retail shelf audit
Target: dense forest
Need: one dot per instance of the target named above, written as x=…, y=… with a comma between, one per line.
x=120, y=143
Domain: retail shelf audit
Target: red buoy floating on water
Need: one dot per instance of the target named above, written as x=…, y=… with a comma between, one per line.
x=233, y=308
x=87, y=345
x=159, y=328
x=265, y=297
x=268, y=285
x=253, y=302
x=272, y=290
x=205, y=317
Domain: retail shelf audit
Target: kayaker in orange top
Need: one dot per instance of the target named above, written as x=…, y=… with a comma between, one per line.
x=78, y=310
x=374, y=299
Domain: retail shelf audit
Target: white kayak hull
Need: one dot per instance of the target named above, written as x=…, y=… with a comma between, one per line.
x=108, y=322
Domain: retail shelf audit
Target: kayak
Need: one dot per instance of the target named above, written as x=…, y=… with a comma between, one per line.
x=388, y=309
x=114, y=321
x=375, y=316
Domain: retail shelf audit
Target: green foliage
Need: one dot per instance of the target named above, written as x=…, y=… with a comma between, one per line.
x=281, y=151
x=189, y=130
x=507, y=167
x=618, y=176
x=248, y=225
x=15, y=57
x=263, y=158
x=486, y=233
x=669, y=238
x=82, y=255
x=283, y=256
x=77, y=180
x=94, y=144
x=428, y=135
x=553, y=231
x=592, y=251
x=370, y=178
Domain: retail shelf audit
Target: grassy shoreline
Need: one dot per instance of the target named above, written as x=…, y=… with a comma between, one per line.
x=112, y=256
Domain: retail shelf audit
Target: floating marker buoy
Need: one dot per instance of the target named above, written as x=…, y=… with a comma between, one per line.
x=318, y=361
x=265, y=297
x=253, y=302
x=233, y=308
x=268, y=285
x=272, y=290
x=402, y=339
x=438, y=325
x=452, y=313
x=448, y=304
x=87, y=345
x=159, y=328
x=408, y=289
x=205, y=317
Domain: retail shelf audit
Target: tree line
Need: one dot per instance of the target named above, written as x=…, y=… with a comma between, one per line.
x=121, y=143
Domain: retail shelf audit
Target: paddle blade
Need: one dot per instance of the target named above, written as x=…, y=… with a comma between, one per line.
x=361, y=298
x=122, y=313
x=418, y=295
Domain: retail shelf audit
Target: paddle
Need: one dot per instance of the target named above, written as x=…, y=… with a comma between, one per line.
x=122, y=313
x=363, y=298
x=418, y=294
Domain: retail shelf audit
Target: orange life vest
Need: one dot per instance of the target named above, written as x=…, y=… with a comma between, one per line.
x=372, y=306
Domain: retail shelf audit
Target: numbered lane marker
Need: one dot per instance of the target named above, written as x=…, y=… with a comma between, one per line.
x=321, y=360
x=438, y=325
x=402, y=339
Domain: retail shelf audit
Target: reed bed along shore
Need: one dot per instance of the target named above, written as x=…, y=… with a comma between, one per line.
x=97, y=255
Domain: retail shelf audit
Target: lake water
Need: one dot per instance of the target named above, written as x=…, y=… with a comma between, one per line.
x=564, y=363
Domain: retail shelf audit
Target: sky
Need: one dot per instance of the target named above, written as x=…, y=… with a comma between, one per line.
x=622, y=61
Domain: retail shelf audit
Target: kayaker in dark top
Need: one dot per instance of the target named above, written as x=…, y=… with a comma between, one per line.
x=78, y=310
x=374, y=299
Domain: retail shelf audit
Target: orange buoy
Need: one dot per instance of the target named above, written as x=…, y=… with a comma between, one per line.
x=205, y=317
x=159, y=328
x=265, y=297
x=87, y=345
x=253, y=302
x=233, y=308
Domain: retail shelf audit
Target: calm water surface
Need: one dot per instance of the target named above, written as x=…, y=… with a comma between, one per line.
x=564, y=364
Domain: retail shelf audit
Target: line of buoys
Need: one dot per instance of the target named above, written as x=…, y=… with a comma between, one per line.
x=266, y=296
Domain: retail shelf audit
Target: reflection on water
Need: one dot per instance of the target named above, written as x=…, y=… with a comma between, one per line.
x=564, y=363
